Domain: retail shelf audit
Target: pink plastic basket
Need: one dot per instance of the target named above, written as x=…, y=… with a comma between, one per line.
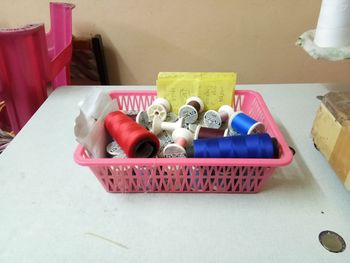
x=181, y=175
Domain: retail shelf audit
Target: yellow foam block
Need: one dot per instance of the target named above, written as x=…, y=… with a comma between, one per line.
x=214, y=88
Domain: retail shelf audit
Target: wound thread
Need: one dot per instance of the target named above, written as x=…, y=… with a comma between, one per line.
x=135, y=140
x=195, y=105
x=244, y=124
x=205, y=133
x=244, y=146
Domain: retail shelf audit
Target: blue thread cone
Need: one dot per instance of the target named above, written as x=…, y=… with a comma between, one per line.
x=245, y=146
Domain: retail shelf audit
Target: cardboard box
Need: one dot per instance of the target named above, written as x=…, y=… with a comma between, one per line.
x=331, y=133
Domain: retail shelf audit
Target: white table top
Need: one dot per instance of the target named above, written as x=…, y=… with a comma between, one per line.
x=53, y=210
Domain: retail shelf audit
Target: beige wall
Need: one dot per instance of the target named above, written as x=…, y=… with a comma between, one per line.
x=255, y=38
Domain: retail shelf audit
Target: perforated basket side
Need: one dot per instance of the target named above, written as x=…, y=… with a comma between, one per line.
x=182, y=179
x=135, y=101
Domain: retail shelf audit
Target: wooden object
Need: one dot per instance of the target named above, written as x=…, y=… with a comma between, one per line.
x=331, y=133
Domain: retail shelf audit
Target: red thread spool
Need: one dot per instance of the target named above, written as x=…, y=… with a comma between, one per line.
x=134, y=139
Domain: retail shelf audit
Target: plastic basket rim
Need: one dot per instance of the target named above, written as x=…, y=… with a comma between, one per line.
x=284, y=160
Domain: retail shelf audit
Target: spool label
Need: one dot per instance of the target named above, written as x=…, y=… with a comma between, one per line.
x=212, y=120
x=174, y=152
x=189, y=114
x=115, y=150
x=164, y=139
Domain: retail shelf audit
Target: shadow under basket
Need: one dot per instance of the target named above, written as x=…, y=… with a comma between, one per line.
x=188, y=175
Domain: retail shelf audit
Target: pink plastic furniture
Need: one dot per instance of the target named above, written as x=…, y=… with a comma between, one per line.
x=29, y=59
x=59, y=42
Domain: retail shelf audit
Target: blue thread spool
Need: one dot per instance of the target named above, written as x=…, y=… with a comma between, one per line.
x=245, y=125
x=243, y=146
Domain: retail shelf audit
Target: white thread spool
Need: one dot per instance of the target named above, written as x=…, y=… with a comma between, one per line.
x=160, y=107
x=158, y=125
x=214, y=119
x=190, y=110
x=142, y=119
x=333, y=26
x=182, y=138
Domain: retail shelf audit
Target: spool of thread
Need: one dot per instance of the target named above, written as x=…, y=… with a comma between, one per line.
x=243, y=146
x=214, y=119
x=333, y=26
x=158, y=125
x=164, y=139
x=204, y=133
x=160, y=107
x=182, y=138
x=190, y=110
x=134, y=139
x=113, y=149
x=142, y=119
x=191, y=126
x=245, y=125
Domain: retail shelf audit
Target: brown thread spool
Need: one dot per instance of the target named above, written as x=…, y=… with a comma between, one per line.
x=195, y=105
x=190, y=110
x=205, y=133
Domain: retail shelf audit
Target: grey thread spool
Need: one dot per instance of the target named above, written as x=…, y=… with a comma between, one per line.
x=142, y=119
x=215, y=119
x=190, y=110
